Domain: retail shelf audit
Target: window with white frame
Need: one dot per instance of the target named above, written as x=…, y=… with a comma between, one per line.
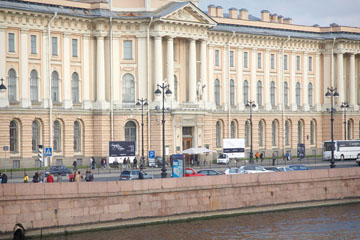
x=34, y=89
x=130, y=131
x=298, y=94
x=74, y=47
x=57, y=136
x=310, y=94
x=217, y=92
x=349, y=129
x=246, y=91
x=217, y=58
x=11, y=42
x=285, y=62
x=300, y=131
x=54, y=44
x=272, y=61
x=245, y=59
x=77, y=136
x=310, y=64
x=55, y=92
x=35, y=135
x=12, y=86
x=128, y=88
x=231, y=58
x=286, y=94
x=261, y=133
x=298, y=63
x=272, y=93
x=128, y=49
x=232, y=93
x=14, y=137
x=274, y=127
x=259, y=93
x=218, y=134
x=75, y=88
x=259, y=60
x=233, y=129
x=33, y=45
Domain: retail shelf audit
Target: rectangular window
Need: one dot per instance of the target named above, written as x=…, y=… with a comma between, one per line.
x=33, y=44
x=128, y=50
x=259, y=60
x=11, y=42
x=310, y=64
x=272, y=61
x=231, y=58
x=285, y=62
x=245, y=60
x=54, y=42
x=298, y=63
x=74, y=47
x=217, y=60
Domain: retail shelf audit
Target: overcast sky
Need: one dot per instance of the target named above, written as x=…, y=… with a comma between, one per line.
x=302, y=12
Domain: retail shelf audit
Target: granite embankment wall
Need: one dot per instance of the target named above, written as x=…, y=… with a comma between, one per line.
x=51, y=205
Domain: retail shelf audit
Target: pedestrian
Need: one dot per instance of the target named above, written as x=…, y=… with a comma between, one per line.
x=262, y=157
x=41, y=177
x=75, y=165
x=124, y=163
x=91, y=162
x=36, y=178
x=105, y=162
x=273, y=159
x=49, y=178
x=89, y=177
x=26, y=178
x=287, y=156
x=4, y=178
x=94, y=163
x=141, y=174
x=135, y=163
x=71, y=177
x=257, y=156
x=0, y=178
x=78, y=177
x=128, y=162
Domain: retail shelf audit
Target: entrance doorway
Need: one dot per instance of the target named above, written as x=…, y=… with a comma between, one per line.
x=187, y=142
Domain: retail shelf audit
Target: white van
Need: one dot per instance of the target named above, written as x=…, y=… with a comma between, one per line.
x=223, y=159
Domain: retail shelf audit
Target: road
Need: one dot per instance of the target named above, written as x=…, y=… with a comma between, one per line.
x=101, y=174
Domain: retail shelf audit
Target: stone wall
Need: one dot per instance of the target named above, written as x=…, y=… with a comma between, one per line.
x=39, y=205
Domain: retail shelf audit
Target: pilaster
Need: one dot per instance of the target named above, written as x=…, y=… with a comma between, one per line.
x=306, y=83
x=292, y=91
x=240, y=94
x=267, y=80
x=86, y=72
x=25, y=78
x=192, y=71
x=67, y=75
x=4, y=101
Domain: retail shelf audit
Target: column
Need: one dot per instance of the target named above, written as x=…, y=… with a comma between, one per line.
x=353, y=86
x=86, y=69
x=192, y=71
x=170, y=65
x=317, y=82
x=67, y=75
x=210, y=81
x=281, y=80
x=340, y=77
x=328, y=72
x=100, y=73
x=3, y=96
x=116, y=89
x=25, y=76
x=240, y=97
x=225, y=95
x=292, y=89
x=203, y=76
x=253, y=66
x=305, y=82
x=158, y=72
x=267, y=80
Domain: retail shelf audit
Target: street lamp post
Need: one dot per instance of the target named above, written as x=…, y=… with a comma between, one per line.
x=165, y=91
x=251, y=105
x=331, y=93
x=2, y=86
x=142, y=102
x=345, y=106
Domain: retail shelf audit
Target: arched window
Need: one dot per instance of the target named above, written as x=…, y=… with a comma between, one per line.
x=233, y=129
x=286, y=94
x=14, y=136
x=57, y=136
x=12, y=86
x=298, y=92
x=246, y=92
x=176, y=88
x=77, y=136
x=261, y=133
x=130, y=131
x=259, y=93
x=217, y=92
x=55, y=93
x=218, y=134
x=300, y=131
x=349, y=129
x=35, y=135
x=75, y=83
x=232, y=93
x=247, y=133
x=312, y=132
x=34, y=90
x=128, y=89
x=310, y=94
x=287, y=133
x=274, y=127
x=272, y=93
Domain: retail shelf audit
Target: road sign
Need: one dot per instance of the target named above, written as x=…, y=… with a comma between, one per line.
x=5, y=148
x=48, y=152
x=152, y=154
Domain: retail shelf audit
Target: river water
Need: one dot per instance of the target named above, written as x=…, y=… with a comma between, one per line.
x=336, y=222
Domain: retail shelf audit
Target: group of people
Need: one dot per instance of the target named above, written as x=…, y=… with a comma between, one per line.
x=127, y=163
x=3, y=178
x=259, y=155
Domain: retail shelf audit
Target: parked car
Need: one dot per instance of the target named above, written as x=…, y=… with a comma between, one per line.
x=158, y=162
x=253, y=169
x=58, y=170
x=274, y=169
x=223, y=159
x=133, y=175
x=189, y=172
x=209, y=172
x=358, y=159
x=230, y=171
x=299, y=167
x=284, y=169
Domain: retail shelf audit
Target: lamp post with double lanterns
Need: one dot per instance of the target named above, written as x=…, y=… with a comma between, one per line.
x=251, y=105
x=165, y=91
x=142, y=102
x=331, y=93
x=345, y=106
x=2, y=86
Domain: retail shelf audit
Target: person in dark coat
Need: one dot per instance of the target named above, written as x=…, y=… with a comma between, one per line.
x=141, y=174
x=135, y=163
x=4, y=178
x=273, y=159
x=36, y=178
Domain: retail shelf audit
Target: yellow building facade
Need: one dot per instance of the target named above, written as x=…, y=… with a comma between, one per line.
x=74, y=71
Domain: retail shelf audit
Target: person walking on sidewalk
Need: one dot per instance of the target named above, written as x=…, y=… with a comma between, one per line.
x=273, y=159
x=26, y=178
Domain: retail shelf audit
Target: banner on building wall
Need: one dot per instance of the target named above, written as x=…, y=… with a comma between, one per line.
x=122, y=148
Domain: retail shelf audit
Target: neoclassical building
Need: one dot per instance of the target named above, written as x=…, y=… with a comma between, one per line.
x=74, y=71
